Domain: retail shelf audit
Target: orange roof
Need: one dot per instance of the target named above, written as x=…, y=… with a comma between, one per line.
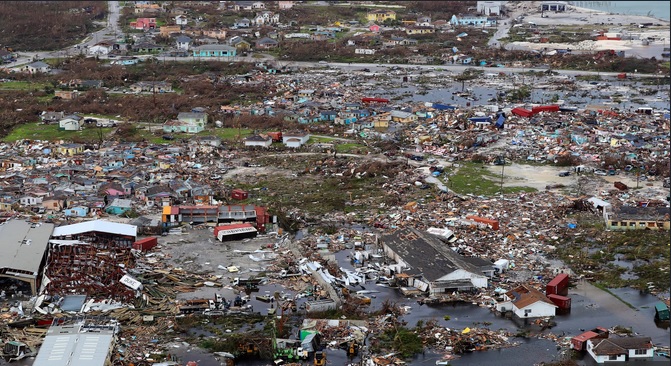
x=523, y=295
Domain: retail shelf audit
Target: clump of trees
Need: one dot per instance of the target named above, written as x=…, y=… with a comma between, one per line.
x=47, y=25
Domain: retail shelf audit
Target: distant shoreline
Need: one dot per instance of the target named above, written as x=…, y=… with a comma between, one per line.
x=580, y=9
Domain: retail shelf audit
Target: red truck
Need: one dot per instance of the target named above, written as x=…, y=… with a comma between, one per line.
x=276, y=136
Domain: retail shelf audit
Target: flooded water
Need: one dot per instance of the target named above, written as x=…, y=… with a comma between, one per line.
x=481, y=94
x=584, y=315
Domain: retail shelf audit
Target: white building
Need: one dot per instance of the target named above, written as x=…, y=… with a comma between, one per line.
x=181, y=20
x=183, y=43
x=490, y=7
x=258, y=140
x=100, y=49
x=302, y=137
x=266, y=18
x=70, y=123
x=527, y=302
x=620, y=349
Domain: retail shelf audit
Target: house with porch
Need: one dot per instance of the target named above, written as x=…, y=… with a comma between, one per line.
x=266, y=43
x=626, y=349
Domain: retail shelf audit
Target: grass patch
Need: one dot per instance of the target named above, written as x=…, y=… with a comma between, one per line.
x=38, y=131
x=227, y=134
x=314, y=140
x=603, y=287
x=476, y=179
x=22, y=85
x=350, y=147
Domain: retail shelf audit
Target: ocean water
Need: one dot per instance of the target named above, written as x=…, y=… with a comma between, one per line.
x=656, y=9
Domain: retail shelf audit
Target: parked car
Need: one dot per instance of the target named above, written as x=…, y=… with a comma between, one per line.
x=600, y=172
x=417, y=158
x=168, y=137
x=564, y=174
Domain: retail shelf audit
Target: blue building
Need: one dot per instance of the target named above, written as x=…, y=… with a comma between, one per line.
x=79, y=211
x=214, y=50
x=472, y=21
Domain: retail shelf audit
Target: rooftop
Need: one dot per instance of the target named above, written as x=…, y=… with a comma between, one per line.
x=23, y=245
x=426, y=254
x=96, y=225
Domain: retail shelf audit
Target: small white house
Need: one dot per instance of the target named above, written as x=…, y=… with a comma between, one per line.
x=30, y=200
x=527, y=302
x=181, y=20
x=100, y=49
x=626, y=349
x=293, y=142
x=257, y=140
x=37, y=67
x=70, y=123
x=290, y=138
x=183, y=42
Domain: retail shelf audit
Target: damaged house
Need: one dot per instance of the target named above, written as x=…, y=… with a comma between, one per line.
x=428, y=264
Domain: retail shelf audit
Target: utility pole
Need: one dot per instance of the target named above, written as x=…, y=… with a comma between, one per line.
x=503, y=166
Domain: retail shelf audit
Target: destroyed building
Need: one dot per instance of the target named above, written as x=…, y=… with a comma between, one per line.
x=90, y=258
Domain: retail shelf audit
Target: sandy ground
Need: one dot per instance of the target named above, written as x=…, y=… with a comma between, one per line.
x=582, y=16
x=540, y=176
x=197, y=251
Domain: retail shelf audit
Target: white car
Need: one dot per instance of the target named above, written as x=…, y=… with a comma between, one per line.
x=600, y=172
x=323, y=62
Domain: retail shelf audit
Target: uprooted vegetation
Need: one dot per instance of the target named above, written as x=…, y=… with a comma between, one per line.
x=320, y=184
x=47, y=25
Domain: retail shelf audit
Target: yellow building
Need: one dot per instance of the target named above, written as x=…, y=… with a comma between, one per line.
x=380, y=15
x=70, y=149
x=640, y=218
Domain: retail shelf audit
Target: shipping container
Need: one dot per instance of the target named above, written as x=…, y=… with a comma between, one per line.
x=579, y=342
x=374, y=100
x=145, y=244
x=563, y=302
x=521, y=112
x=239, y=194
x=661, y=311
x=558, y=285
x=545, y=108
x=494, y=224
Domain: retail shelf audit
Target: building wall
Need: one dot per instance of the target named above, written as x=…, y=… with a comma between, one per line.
x=537, y=310
x=615, y=224
x=460, y=274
